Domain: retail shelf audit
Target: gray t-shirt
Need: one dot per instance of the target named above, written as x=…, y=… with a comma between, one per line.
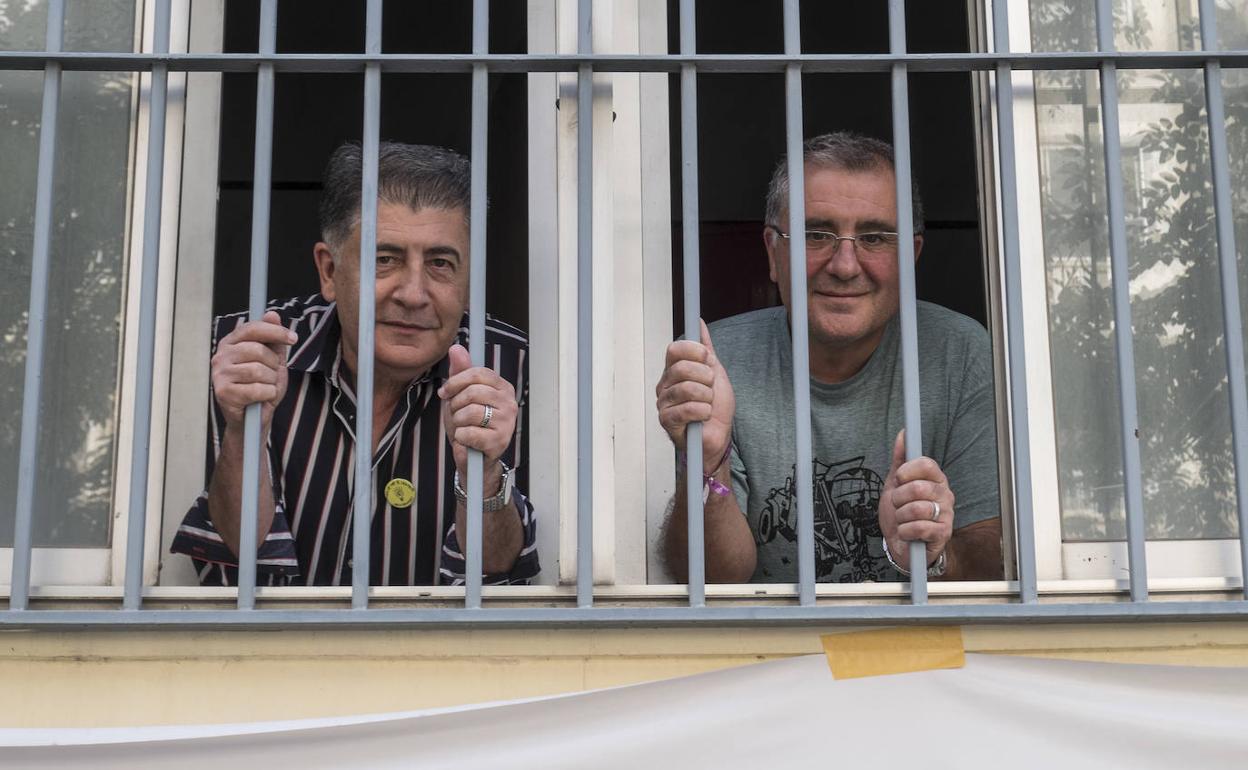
x=854, y=424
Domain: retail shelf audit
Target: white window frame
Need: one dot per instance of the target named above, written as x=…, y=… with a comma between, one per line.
x=634, y=462
x=187, y=339
x=634, y=465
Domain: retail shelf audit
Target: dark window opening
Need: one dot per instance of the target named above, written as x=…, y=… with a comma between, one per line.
x=314, y=113
x=741, y=130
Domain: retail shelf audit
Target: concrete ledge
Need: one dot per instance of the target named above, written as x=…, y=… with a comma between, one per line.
x=100, y=678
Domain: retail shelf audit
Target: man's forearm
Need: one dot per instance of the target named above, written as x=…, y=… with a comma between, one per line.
x=502, y=535
x=974, y=552
x=730, y=552
x=224, y=500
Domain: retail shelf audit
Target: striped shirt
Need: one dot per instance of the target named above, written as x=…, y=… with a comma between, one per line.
x=311, y=458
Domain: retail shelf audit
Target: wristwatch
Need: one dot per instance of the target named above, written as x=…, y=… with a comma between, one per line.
x=499, y=500
x=937, y=569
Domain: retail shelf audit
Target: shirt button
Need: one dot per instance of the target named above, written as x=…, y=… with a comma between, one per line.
x=350, y=563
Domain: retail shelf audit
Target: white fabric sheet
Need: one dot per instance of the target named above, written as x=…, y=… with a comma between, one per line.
x=995, y=712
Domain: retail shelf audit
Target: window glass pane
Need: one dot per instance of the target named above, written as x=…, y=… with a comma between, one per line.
x=1139, y=25
x=1176, y=311
x=85, y=296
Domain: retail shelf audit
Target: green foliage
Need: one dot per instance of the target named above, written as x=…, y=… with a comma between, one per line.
x=87, y=274
x=1176, y=308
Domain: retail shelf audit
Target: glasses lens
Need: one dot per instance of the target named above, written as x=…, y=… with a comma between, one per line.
x=877, y=241
x=817, y=239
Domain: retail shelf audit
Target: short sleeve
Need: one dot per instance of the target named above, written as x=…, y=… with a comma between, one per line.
x=452, y=569
x=970, y=459
x=216, y=564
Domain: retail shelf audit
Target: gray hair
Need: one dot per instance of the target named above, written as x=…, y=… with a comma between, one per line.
x=845, y=151
x=416, y=175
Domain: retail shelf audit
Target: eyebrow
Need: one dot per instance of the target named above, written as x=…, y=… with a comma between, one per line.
x=440, y=250
x=866, y=226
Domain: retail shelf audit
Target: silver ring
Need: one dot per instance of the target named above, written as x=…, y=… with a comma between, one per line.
x=935, y=511
x=485, y=420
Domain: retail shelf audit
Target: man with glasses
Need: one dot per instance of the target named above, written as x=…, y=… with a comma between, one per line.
x=869, y=502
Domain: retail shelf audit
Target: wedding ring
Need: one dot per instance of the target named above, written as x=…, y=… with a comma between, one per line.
x=489, y=414
x=935, y=511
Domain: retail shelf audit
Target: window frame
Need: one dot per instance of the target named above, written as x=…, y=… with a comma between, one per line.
x=176, y=319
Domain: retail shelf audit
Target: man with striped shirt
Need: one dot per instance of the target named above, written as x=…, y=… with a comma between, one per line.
x=430, y=405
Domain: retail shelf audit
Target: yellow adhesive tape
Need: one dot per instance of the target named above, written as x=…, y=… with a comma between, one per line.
x=894, y=651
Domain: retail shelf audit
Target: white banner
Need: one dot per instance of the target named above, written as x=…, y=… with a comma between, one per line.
x=995, y=712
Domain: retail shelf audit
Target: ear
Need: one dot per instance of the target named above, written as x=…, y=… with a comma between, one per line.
x=769, y=243
x=918, y=246
x=325, y=269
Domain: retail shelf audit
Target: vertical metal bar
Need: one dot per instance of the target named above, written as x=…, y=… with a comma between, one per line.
x=693, y=285
x=263, y=178
x=1019, y=429
x=476, y=320
x=137, y=516
x=905, y=262
x=362, y=517
x=798, y=320
x=37, y=315
x=585, y=309
x=1232, y=317
x=1128, y=412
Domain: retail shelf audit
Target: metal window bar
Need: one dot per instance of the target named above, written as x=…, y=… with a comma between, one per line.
x=1232, y=318
x=37, y=316
x=804, y=493
x=1128, y=411
x=472, y=541
x=253, y=439
x=584, y=308
x=53, y=61
x=905, y=262
x=363, y=506
x=690, y=244
x=1025, y=532
x=145, y=364
x=608, y=62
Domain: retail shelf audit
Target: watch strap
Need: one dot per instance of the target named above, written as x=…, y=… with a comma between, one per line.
x=500, y=498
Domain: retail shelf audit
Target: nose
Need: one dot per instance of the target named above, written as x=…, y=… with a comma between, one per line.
x=409, y=290
x=843, y=262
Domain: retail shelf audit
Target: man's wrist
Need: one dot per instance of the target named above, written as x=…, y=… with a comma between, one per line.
x=237, y=429
x=936, y=568
x=497, y=477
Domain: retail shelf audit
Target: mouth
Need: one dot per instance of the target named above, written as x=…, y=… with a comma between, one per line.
x=407, y=326
x=840, y=294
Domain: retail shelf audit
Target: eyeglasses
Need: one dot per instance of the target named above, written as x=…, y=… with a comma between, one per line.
x=821, y=240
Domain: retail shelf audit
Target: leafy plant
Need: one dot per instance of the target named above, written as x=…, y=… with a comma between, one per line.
x=1176, y=307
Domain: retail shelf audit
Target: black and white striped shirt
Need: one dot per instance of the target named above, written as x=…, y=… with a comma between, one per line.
x=311, y=454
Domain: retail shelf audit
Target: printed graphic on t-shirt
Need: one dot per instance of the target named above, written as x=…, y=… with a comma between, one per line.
x=847, y=524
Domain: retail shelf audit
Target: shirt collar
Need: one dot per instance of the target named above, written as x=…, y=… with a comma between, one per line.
x=319, y=351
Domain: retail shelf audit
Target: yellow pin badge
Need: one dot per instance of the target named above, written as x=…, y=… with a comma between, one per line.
x=400, y=493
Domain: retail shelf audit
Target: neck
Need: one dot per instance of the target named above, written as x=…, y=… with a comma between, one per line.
x=832, y=364
x=831, y=367
x=387, y=388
